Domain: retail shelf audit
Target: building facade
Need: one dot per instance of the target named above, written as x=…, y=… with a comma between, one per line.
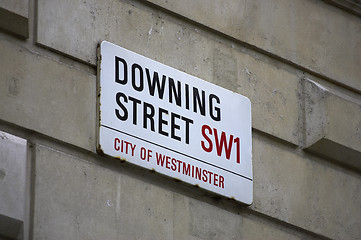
x=298, y=61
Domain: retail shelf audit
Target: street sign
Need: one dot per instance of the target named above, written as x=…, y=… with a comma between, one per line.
x=165, y=120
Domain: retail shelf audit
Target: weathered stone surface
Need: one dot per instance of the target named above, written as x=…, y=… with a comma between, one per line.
x=297, y=194
x=76, y=199
x=47, y=96
x=332, y=124
x=198, y=220
x=306, y=192
x=81, y=25
x=273, y=90
x=145, y=210
x=351, y=6
x=182, y=46
x=14, y=17
x=309, y=33
x=267, y=85
x=274, y=96
x=20, y=7
x=258, y=228
x=12, y=184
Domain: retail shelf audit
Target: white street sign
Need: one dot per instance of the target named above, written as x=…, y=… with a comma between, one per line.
x=162, y=119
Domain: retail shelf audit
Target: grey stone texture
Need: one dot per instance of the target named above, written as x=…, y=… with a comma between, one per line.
x=14, y=17
x=96, y=203
x=20, y=7
x=47, y=96
x=297, y=60
x=178, y=45
x=78, y=199
x=332, y=124
x=305, y=191
x=12, y=184
x=309, y=33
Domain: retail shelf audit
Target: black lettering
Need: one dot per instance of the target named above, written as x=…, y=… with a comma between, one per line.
x=174, y=126
x=152, y=84
x=149, y=116
x=125, y=71
x=141, y=82
x=162, y=121
x=187, y=96
x=217, y=110
x=176, y=92
x=135, y=102
x=123, y=117
x=187, y=121
x=197, y=101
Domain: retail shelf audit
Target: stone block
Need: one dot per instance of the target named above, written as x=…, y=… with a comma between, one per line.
x=257, y=228
x=19, y=7
x=195, y=220
x=178, y=45
x=76, y=27
x=145, y=210
x=332, y=124
x=305, y=191
x=353, y=6
x=264, y=82
x=12, y=184
x=77, y=199
x=274, y=95
x=309, y=33
x=14, y=17
x=47, y=96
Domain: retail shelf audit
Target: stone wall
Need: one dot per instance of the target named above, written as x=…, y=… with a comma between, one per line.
x=298, y=61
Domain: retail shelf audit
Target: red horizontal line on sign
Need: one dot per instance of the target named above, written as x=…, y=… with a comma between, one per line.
x=199, y=160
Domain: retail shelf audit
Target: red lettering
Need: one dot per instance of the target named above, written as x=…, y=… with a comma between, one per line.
x=149, y=154
x=132, y=147
x=210, y=145
x=238, y=149
x=160, y=159
x=167, y=162
x=174, y=166
x=143, y=153
x=215, y=180
x=179, y=162
x=204, y=177
x=223, y=142
x=186, y=169
x=210, y=176
x=221, y=181
x=126, y=146
x=220, y=143
x=198, y=173
x=116, y=144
